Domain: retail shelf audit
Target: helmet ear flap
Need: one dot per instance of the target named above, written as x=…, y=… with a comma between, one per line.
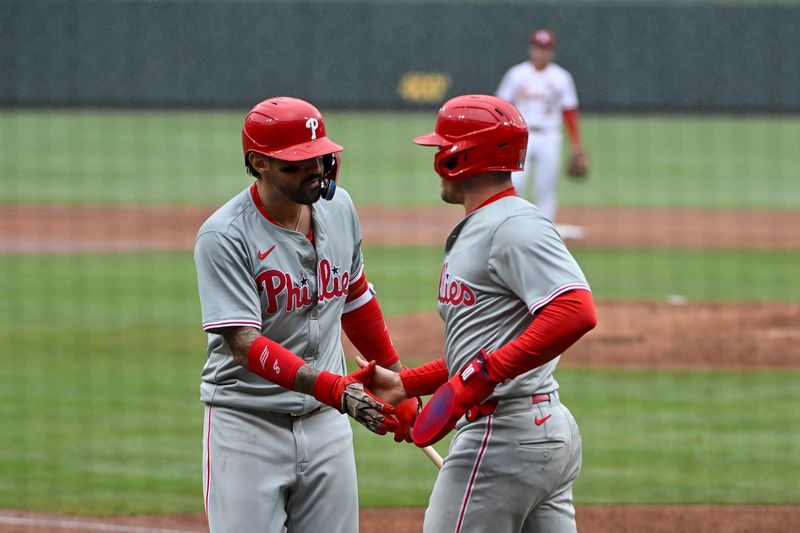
x=330, y=172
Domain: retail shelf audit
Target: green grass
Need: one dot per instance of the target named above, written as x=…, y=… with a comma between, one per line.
x=667, y=437
x=100, y=370
x=195, y=158
x=687, y=437
x=100, y=373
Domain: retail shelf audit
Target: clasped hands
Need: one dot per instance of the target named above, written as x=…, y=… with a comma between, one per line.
x=467, y=389
x=361, y=395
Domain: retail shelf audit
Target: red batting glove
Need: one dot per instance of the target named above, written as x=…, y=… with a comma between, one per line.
x=406, y=413
x=468, y=389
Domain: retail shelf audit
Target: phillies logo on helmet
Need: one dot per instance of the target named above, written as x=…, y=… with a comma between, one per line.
x=312, y=124
x=454, y=291
x=274, y=283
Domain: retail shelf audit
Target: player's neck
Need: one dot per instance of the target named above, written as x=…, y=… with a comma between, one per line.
x=280, y=209
x=476, y=194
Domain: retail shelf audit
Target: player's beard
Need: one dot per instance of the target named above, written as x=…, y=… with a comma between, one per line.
x=301, y=193
x=452, y=193
x=308, y=195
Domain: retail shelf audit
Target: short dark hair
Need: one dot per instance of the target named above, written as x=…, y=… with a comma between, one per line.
x=250, y=170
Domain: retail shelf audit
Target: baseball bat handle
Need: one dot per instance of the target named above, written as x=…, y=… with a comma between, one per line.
x=434, y=456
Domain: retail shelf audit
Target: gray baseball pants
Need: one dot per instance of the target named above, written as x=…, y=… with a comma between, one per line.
x=264, y=470
x=509, y=472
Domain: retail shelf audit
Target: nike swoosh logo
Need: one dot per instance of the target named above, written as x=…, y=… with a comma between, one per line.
x=540, y=421
x=264, y=255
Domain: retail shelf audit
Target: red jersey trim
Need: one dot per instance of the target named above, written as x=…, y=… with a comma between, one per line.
x=502, y=194
x=559, y=291
x=208, y=460
x=358, y=277
x=228, y=323
x=473, y=477
x=357, y=293
x=259, y=205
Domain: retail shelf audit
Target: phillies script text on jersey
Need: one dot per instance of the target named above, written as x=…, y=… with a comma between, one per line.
x=454, y=291
x=273, y=282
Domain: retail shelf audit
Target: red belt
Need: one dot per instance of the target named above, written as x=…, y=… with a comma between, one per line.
x=490, y=406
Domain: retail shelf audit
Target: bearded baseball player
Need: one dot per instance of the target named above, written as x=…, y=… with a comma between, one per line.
x=545, y=95
x=280, y=275
x=512, y=299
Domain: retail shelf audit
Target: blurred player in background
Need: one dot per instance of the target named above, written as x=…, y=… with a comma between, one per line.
x=545, y=95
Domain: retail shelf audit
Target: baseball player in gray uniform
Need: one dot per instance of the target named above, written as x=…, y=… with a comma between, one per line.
x=512, y=299
x=280, y=275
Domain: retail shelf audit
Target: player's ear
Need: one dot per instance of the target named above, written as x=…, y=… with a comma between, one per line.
x=259, y=163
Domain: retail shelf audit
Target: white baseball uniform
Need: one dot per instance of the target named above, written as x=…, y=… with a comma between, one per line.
x=541, y=96
x=273, y=456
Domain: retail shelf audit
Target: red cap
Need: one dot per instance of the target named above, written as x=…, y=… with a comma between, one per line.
x=286, y=128
x=543, y=38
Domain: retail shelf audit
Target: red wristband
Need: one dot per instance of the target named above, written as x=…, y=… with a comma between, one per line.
x=424, y=379
x=323, y=388
x=273, y=362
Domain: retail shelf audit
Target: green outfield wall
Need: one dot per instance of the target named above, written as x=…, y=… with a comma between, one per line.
x=183, y=53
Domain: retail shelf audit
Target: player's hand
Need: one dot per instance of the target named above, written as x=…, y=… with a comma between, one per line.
x=389, y=387
x=349, y=395
x=467, y=389
x=385, y=383
x=578, y=166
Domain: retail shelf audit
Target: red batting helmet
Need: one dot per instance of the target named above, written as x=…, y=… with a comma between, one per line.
x=286, y=128
x=477, y=133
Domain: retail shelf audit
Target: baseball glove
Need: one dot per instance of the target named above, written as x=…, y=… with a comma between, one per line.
x=578, y=167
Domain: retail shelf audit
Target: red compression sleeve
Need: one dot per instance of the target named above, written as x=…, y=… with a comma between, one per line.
x=424, y=379
x=571, y=121
x=367, y=330
x=273, y=362
x=556, y=327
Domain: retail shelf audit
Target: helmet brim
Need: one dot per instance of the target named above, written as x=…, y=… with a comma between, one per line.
x=309, y=150
x=431, y=139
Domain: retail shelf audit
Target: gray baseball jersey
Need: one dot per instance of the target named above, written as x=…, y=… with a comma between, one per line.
x=512, y=470
x=507, y=262
x=252, y=272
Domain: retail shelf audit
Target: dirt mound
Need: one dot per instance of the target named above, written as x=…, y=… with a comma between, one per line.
x=591, y=519
x=630, y=519
x=68, y=229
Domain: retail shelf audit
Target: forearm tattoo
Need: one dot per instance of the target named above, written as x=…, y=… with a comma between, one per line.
x=305, y=378
x=239, y=341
